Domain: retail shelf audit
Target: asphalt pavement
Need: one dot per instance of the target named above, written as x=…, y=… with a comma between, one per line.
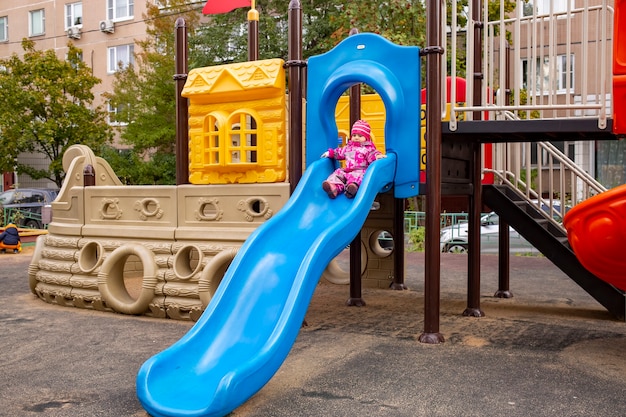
x=551, y=350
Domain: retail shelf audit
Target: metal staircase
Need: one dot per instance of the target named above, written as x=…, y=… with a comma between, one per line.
x=551, y=240
x=529, y=207
x=491, y=123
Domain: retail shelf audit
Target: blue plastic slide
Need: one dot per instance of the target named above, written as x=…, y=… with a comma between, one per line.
x=253, y=320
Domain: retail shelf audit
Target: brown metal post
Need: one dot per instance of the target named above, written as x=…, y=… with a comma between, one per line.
x=253, y=34
x=89, y=176
x=182, y=110
x=432, y=279
x=475, y=202
x=475, y=198
x=356, y=295
x=295, y=66
x=504, y=253
x=398, y=245
x=503, y=261
x=253, y=55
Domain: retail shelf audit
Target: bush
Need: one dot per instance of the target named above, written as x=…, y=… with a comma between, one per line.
x=416, y=239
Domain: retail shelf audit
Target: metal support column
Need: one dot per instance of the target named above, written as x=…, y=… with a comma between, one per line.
x=432, y=279
x=182, y=109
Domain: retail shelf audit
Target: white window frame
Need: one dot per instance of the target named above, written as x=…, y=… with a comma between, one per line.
x=558, y=6
x=4, y=29
x=73, y=12
x=120, y=9
x=543, y=69
x=115, y=55
x=40, y=15
x=563, y=68
x=112, y=113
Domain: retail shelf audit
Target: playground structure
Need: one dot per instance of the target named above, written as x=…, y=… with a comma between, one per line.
x=92, y=257
x=192, y=234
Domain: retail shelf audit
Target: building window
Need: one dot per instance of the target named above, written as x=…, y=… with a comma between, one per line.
x=4, y=29
x=117, y=116
x=550, y=76
x=120, y=9
x=75, y=63
x=120, y=56
x=543, y=7
x=37, y=22
x=73, y=14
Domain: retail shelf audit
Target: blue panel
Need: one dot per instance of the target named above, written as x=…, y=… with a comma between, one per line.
x=251, y=323
x=394, y=72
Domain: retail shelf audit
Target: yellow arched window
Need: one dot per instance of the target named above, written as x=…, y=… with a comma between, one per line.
x=242, y=139
x=211, y=139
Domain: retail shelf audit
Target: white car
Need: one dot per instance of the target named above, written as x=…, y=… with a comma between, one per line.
x=454, y=238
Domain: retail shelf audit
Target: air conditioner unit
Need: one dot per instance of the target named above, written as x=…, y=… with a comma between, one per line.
x=107, y=26
x=73, y=32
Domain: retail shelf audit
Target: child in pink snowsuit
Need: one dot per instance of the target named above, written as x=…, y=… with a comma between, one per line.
x=358, y=153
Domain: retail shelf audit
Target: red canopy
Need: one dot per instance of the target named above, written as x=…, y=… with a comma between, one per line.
x=223, y=6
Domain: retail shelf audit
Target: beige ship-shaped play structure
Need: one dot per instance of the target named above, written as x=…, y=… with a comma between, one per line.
x=161, y=251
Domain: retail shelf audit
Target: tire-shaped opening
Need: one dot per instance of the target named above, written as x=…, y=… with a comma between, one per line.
x=213, y=273
x=90, y=257
x=187, y=261
x=257, y=206
x=381, y=243
x=338, y=270
x=149, y=207
x=208, y=210
x=112, y=285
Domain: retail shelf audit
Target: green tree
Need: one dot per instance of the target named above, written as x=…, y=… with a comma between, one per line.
x=325, y=23
x=46, y=105
x=224, y=37
x=145, y=97
x=401, y=21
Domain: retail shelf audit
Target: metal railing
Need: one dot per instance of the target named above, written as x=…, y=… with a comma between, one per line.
x=553, y=183
x=416, y=219
x=22, y=218
x=539, y=64
x=536, y=64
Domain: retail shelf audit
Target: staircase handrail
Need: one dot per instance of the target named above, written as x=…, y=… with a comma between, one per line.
x=556, y=160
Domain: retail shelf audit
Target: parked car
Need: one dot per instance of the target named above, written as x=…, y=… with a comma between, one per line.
x=385, y=240
x=454, y=238
x=23, y=206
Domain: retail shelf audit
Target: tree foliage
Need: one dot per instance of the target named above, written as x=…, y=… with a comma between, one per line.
x=145, y=97
x=401, y=21
x=325, y=23
x=45, y=107
x=223, y=38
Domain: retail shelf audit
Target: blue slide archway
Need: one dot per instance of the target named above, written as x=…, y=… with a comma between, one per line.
x=394, y=72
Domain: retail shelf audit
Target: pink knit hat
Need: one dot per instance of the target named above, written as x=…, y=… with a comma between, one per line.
x=361, y=127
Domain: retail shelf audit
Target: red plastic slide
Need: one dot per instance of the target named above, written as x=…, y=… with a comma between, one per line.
x=596, y=229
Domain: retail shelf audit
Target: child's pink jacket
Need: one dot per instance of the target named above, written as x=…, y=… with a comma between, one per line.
x=358, y=156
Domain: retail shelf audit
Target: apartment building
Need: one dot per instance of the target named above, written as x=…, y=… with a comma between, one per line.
x=105, y=30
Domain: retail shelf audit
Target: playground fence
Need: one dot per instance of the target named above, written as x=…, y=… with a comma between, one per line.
x=416, y=219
